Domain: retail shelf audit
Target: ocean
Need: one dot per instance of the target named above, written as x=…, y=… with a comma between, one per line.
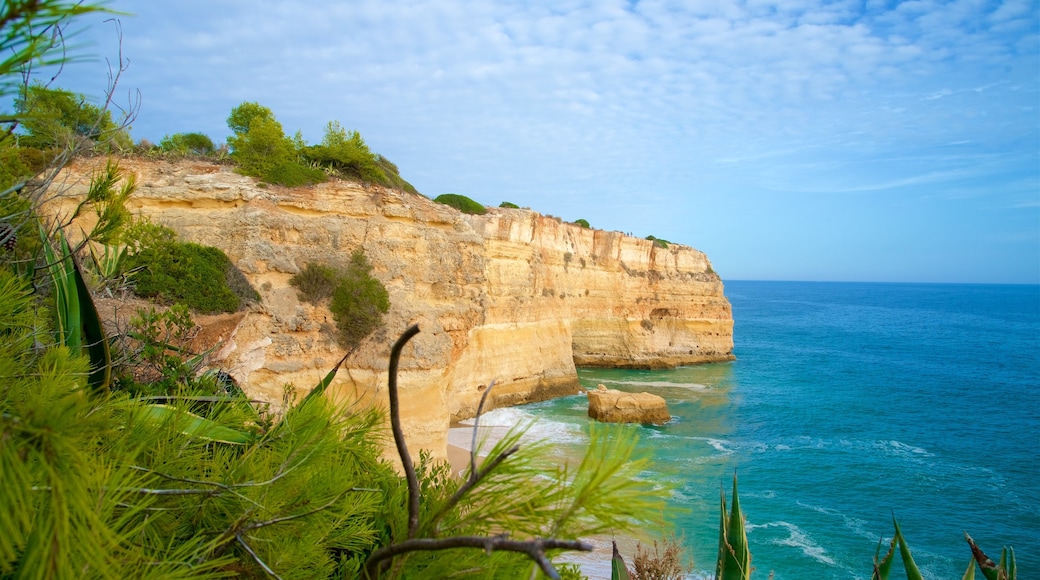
x=848, y=403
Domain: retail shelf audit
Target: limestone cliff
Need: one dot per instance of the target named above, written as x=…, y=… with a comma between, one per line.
x=510, y=296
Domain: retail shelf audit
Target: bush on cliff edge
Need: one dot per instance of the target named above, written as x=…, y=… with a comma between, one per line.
x=461, y=203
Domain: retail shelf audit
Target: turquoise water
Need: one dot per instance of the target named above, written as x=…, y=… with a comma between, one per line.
x=848, y=402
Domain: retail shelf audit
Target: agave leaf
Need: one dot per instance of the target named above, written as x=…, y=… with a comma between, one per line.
x=1012, y=571
x=734, y=558
x=66, y=272
x=94, y=334
x=195, y=426
x=720, y=560
x=912, y=572
x=883, y=568
x=969, y=574
x=618, y=570
x=325, y=382
x=988, y=566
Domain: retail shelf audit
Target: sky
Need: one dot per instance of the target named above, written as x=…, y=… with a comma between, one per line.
x=794, y=140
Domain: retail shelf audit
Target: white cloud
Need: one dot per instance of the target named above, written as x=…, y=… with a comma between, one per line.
x=602, y=98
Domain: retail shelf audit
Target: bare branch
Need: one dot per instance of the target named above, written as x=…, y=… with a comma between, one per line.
x=256, y=558
x=395, y=425
x=331, y=503
x=476, y=428
x=534, y=549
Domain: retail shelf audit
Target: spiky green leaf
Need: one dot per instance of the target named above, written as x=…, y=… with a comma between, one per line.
x=883, y=568
x=912, y=572
x=93, y=334
x=618, y=570
x=969, y=574
x=734, y=558
x=989, y=567
x=195, y=426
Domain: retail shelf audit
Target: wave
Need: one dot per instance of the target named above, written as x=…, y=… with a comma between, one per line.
x=662, y=384
x=901, y=449
x=497, y=423
x=855, y=525
x=796, y=538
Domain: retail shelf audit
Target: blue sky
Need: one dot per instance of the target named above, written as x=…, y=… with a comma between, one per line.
x=796, y=140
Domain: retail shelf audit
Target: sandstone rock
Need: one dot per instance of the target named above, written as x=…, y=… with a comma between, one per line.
x=511, y=296
x=612, y=406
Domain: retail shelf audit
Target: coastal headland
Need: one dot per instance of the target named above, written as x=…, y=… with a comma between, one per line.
x=511, y=296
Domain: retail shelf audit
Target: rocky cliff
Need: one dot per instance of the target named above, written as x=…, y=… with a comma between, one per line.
x=512, y=296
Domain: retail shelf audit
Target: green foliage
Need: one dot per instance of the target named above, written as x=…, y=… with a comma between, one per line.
x=155, y=348
x=660, y=243
x=111, y=488
x=347, y=153
x=76, y=322
x=29, y=37
x=260, y=147
x=315, y=282
x=201, y=277
x=242, y=117
x=393, y=176
x=734, y=558
x=19, y=164
x=461, y=203
x=583, y=223
x=359, y=302
x=62, y=119
x=508, y=204
x=196, y=144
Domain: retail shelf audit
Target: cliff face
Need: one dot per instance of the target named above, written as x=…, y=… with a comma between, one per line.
x=511, y=296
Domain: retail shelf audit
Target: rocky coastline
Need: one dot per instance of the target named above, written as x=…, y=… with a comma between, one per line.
x=511, y=296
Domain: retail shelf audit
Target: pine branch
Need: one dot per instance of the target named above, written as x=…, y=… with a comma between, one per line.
x=534, y=549
x=256, y=558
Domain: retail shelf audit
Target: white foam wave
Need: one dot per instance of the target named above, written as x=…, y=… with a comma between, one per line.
x=663, y=384
x=496, y=424
x=902, y=449
x=797, y=538
x=720, y=445
x=856, y=525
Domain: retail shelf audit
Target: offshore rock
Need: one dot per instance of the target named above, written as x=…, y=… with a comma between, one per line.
x=611, y=406
x=512, y=296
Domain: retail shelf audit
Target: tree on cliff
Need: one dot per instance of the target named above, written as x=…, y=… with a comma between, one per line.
x=57, y=118
x=262, y=149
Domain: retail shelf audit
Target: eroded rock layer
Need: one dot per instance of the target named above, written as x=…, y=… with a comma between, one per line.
x=512, y=296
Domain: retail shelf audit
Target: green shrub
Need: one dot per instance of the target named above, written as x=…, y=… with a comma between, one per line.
x=60, y=118
x=348, y=154
x=196, y=144
x=315, y=282
x=293, y=174
x=509, y=204
x=359, y=302
x=201, y=277
x=261, y=148
x=583, y=223
x=394, y=176
x=461, y=203
x=660, y=243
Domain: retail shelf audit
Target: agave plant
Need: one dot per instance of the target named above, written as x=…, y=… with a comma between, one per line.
x=734, y=558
